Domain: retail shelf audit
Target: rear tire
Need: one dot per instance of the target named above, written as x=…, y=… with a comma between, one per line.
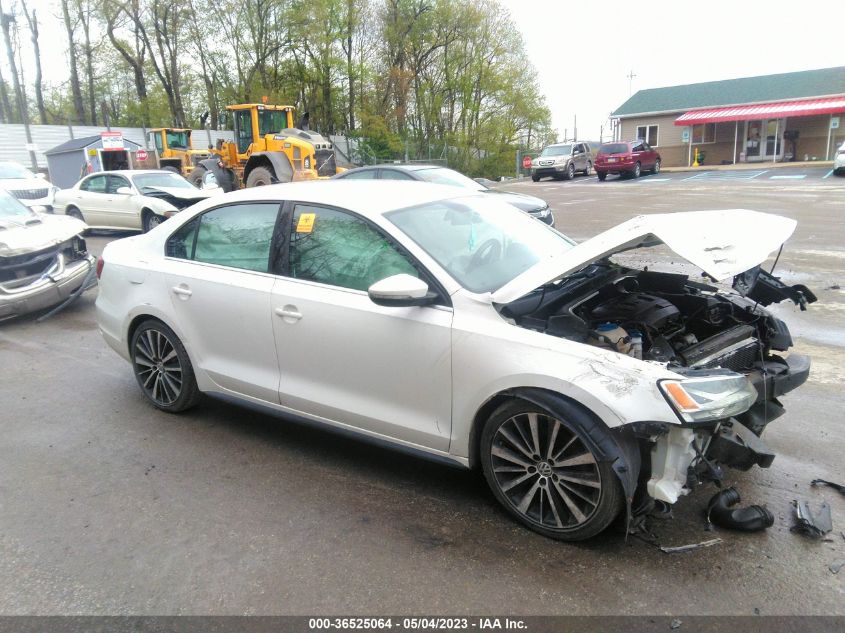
x=602, y=175
x=589, y=169
x=162, y=367
x=535, y=178
x=259, y=177
x=542, y=471
x=656, y=169
x=637, y=171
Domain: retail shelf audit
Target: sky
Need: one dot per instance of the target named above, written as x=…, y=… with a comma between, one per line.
x=584, y=50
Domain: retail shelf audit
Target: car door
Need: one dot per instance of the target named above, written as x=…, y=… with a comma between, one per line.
x=639, y=155
x=581, y=158
x=220, y=288
x=649, y=156
x=119, y=208
x=386, y=370
x=90, y=199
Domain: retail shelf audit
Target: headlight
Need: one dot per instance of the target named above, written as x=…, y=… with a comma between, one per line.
x=709, y=398
x=543, y=212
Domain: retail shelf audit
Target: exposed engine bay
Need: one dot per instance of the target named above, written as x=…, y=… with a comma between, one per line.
x=177, y=197
x=695, y=329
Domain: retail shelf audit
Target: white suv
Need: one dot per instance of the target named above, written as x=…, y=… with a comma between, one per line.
x=563, y=160
x=31, y=189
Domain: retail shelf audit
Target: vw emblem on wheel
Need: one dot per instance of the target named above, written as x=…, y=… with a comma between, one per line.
x=544, y=469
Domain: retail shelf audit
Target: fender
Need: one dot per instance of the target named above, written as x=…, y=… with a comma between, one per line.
x=282, y=169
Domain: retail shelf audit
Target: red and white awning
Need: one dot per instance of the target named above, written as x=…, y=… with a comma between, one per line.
x=807, y=107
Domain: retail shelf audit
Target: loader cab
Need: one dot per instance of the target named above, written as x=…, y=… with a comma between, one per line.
x=166, y=139
x=252, y=122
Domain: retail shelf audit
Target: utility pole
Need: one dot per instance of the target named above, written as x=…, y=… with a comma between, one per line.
x=574, y=127
x=630, y=76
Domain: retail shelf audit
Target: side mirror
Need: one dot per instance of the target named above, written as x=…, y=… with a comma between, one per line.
x=401, y=291
x=40, y=175
x=124, y=191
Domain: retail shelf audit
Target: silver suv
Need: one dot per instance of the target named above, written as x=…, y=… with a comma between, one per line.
x=563, y=160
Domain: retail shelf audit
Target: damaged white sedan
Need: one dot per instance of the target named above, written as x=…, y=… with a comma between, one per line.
x=43, y=259
x=129, y=199
x=458, y=327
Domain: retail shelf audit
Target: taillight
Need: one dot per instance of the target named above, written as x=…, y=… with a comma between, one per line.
x=100, y=263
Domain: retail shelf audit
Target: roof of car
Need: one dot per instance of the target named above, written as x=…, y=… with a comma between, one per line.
x=407, y=166
x=362, y=196
x=134, y=172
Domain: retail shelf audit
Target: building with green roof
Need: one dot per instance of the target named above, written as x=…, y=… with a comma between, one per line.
x=783, y=117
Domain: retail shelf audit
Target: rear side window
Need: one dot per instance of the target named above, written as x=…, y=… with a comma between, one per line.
x=95, y=184
x=613, y=148
x=237, y=236
x=339, y=249
x=364, y=174
x=394, y=174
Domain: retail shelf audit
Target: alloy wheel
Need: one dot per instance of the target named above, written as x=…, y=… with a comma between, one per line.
x=545, y=471
x=158, y=367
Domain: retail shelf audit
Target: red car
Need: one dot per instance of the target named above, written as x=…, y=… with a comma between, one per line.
x=626, y=157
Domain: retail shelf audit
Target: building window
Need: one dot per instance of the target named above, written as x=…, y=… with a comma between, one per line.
x=704, y=133
x=648, y=133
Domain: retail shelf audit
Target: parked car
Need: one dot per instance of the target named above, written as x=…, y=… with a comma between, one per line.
x=43, y=258
x=137, y=200
x=839, y=161
x=451, y=325
x=629, y=158
x=31, y=189
x=563, y=160
x=444, y=176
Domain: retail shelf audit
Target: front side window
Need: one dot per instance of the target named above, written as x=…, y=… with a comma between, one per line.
x=115, y=183
x=156, y=136
x=339, y=249
x=237, y=236
x=243, y=130
x=95, y=184
x=648, y=133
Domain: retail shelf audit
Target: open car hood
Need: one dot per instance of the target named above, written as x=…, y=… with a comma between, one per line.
x=30, y=234
x=181, y=193
x=722, y=243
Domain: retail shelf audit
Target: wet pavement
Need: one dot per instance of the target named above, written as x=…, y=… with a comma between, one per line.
x=108, y=506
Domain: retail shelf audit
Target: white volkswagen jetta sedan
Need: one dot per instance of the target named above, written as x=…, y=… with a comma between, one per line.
x=456, y=326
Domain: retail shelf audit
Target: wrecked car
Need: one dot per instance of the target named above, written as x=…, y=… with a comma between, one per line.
x=451, y=325
x=43, y=259
x=129, y=199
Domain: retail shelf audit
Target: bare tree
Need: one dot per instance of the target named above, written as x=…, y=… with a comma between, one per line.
x=133, y=53
x=76, y=89
x=32, y=20
x=6, y=21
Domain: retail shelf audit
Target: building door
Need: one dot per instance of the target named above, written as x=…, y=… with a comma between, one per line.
x=764, y=139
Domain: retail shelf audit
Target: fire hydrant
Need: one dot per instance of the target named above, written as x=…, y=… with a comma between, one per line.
x=695, y=161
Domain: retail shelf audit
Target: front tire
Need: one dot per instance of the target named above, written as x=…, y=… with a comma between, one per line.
x=150, y=220
x=570, y=171
x=162, y=367
x=541, y=470
x=196, y=176
x=259, y=177
x=535, y=178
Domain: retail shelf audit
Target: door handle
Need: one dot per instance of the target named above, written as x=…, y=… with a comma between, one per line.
x=289, y=313
x=182, y=291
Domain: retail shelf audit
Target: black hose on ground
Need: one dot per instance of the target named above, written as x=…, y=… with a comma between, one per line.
x=89, y=282
x=751, y=519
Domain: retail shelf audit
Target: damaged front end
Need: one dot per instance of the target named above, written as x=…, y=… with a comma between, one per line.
x=724, y=347
x=43, y=261
x=176, y=197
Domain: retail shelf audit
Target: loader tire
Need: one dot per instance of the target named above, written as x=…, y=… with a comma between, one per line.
x=196, y=176
x=259, y=177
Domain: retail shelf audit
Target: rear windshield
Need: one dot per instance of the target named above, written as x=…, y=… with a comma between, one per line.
x=613, y=148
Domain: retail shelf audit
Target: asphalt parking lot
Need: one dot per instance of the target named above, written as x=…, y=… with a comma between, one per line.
x=108, y=506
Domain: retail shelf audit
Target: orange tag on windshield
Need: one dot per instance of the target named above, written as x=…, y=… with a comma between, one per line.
x=306, y=223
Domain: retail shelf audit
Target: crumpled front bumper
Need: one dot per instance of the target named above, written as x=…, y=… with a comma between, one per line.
x=61, y=281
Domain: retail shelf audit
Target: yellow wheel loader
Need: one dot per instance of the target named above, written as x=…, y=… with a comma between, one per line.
x=267, y=149
x=174, y=150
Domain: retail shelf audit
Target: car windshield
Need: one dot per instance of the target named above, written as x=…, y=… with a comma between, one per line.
x=443, y=176
x=11, y=170
x=164, y=179
x=178, y=140
x=10, y=208
x=557, y=150
x=482, y=243
x=613, y=148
